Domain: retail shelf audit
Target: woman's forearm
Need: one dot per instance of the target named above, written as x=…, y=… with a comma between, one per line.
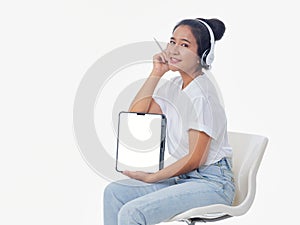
x=183, y=165
x=142, y=100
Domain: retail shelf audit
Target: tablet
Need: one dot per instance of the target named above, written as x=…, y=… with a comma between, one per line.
x=140, y=142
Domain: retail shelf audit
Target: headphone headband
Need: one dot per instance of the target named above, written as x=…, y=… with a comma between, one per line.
x=208, y=56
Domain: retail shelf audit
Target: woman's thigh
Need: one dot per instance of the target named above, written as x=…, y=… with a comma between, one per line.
x=163, y=204
x=129, y=189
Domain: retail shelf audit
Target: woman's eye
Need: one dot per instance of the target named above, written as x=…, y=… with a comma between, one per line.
x=184, y=45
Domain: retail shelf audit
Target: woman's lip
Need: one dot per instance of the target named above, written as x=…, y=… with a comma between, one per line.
x=174, y=60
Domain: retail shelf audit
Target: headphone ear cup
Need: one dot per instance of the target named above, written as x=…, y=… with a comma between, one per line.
x=203, y=58
x=207, y=58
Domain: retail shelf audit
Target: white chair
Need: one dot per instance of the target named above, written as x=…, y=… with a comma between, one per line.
x=248, y=150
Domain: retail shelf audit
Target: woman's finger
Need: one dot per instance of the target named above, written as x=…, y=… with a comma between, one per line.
x=159, y=58
x=165, y=55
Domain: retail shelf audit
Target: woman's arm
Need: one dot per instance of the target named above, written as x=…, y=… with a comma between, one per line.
x=143, y=99
x=198, y=150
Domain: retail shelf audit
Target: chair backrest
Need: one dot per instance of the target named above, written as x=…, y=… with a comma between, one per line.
x=248, y=150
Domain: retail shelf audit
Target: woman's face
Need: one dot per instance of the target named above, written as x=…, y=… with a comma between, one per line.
x=182, y=51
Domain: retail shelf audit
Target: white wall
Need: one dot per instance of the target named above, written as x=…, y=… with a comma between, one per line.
x=47, y=46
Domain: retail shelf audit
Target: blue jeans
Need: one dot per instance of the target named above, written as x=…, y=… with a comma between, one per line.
x=132, y=202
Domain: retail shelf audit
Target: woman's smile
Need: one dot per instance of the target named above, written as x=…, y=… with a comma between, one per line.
x=174, y=60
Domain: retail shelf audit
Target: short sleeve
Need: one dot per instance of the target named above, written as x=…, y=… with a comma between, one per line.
x=160, y=102
x=201, y=117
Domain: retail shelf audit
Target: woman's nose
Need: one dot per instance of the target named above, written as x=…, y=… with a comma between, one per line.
x=173, y=49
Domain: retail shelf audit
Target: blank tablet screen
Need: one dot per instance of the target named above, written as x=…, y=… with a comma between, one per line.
x=140, y=141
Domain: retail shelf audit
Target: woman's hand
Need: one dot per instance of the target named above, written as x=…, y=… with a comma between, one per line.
x=160, y=63
x=139, y=175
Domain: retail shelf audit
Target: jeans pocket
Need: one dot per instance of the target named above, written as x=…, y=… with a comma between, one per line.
x=227, y=173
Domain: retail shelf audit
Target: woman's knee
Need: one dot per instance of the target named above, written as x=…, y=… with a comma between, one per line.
x=119, y=189
x=129, y=214
x=111, y=189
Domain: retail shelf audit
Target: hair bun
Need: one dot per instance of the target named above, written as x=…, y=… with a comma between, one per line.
x=217, y=26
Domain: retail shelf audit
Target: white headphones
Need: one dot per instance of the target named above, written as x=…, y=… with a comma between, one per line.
x=208, y=56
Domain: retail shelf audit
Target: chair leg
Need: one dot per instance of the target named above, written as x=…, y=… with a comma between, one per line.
x=190, y=222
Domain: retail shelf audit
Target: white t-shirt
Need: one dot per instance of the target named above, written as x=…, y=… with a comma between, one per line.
x=197, y=107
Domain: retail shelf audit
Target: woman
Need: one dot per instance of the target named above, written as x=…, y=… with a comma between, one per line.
x=196, y=135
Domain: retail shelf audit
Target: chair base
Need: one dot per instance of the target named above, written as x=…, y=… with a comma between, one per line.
x=193, y=221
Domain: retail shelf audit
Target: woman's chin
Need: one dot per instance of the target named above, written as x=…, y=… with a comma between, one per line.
x=173, y=68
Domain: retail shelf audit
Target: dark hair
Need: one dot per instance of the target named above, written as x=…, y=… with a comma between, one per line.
x=201, y=32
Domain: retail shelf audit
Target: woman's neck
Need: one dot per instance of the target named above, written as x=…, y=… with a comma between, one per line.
x=187, y=78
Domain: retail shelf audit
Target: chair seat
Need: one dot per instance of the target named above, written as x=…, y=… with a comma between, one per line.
x=207, y=212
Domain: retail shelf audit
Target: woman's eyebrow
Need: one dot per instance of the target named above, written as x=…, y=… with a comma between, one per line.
x=182, y=39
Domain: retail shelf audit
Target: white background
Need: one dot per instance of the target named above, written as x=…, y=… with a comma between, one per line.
x=47, y=46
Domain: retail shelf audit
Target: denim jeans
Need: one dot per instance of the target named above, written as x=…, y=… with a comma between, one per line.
x=132, y=202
